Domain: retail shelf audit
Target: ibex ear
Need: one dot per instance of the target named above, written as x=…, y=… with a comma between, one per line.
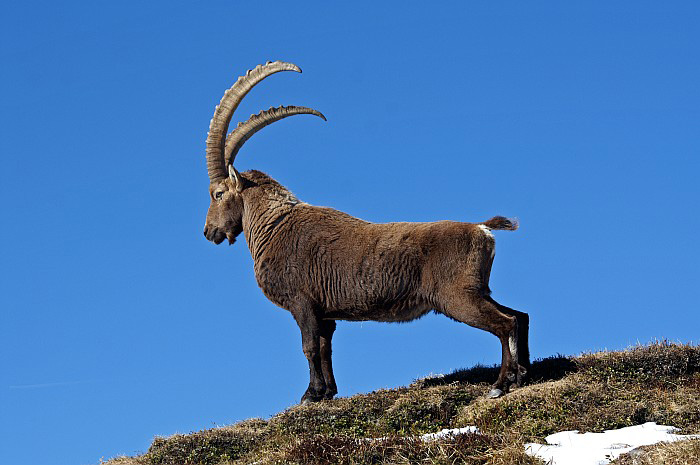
x=235, y=178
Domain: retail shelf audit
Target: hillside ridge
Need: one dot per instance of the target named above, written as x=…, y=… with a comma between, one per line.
x=659, y=382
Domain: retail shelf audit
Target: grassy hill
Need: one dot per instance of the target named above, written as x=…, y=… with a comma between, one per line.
x=591, y=392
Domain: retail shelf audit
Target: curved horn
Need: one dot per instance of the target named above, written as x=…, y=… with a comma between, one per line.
x=245, y=131
x=224, y=111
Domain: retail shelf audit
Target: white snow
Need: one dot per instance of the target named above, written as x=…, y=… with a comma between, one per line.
x=574, y=448
x=446, y=433
x=442, y=434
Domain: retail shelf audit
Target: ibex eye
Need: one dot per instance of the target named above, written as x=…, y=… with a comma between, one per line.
x=218, y=195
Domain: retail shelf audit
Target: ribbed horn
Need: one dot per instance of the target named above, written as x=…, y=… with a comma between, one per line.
x=216, y=138
x=244, y=131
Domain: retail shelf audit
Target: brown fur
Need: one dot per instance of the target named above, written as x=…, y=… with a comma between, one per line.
x=325, y=265
x=500, y=222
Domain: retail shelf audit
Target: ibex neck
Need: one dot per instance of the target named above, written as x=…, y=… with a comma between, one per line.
x=266, y=208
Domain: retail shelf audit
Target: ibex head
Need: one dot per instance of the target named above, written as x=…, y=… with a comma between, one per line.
x=227, y=186
x=225, y=215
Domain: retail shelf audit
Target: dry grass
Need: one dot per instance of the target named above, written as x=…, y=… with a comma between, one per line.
x=674, y=453
x=592, y=392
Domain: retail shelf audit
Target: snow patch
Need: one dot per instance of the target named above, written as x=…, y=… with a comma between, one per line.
x=447, y=433
x=574, y=448
x=442, y=434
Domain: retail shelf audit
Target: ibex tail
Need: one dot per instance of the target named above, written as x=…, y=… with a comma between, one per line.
x=501, y=222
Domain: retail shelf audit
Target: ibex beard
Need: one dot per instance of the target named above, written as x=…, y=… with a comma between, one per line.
x=324, y=265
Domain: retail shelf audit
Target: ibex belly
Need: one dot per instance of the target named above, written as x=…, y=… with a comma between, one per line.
x=394, y=315
x=377, y=301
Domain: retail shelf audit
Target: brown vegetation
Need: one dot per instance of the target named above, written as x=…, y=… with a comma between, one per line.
x=675, y=453
x=592, y=392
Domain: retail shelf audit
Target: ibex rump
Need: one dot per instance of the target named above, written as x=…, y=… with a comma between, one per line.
x=325, y=265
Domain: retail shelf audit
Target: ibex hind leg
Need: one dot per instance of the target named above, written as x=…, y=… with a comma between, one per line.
x=523, y=335
x=481, y=312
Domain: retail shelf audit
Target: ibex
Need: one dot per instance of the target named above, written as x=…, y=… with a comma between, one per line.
x=324, y=265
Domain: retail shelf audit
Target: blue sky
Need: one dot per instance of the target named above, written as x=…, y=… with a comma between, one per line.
x=120, y=321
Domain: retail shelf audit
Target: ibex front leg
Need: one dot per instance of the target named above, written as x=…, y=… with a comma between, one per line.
x=310, y=340
x=327, y=328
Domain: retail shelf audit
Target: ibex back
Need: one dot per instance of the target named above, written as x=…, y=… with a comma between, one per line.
x=325, y=265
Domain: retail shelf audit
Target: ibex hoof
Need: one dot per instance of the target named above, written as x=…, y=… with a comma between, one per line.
x=494, y=393
x=310, y=396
